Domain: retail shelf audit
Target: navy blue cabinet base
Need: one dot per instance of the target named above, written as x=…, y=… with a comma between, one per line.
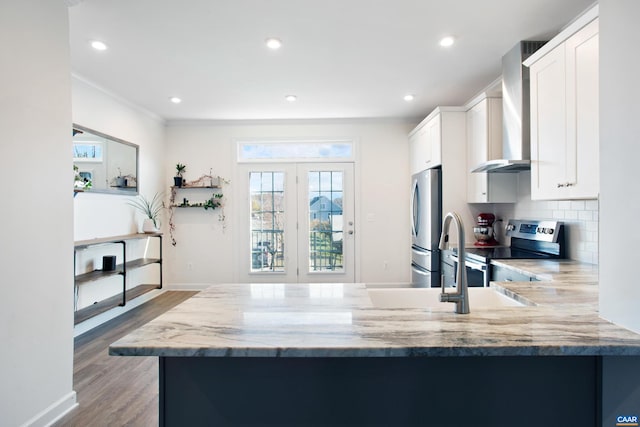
x=421, y=391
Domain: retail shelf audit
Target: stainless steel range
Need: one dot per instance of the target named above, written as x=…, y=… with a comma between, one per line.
x=530, y=239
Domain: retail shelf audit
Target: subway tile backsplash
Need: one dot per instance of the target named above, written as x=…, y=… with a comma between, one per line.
x=581, y=225
x=580, y=218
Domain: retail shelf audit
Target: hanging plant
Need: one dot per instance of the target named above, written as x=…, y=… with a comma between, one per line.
x=213, y=202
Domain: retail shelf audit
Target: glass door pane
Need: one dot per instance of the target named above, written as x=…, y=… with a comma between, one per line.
x=267, y=221
x=326, y=245
x=325, y=234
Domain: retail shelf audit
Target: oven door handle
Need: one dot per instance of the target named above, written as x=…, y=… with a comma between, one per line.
x=471, y=264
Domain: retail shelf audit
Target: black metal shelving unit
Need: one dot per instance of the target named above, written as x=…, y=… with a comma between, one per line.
x=120, y=269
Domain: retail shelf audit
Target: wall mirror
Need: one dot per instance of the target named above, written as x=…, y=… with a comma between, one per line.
x=104, y=164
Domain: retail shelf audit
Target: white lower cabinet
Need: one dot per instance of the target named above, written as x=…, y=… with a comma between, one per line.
x=564, y=119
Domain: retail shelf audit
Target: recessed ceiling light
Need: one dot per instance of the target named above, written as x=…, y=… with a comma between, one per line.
x=273, y=43
x=98, y=45
x=291, y=98
x=409, y=97
x=175, y=100
x=447, y=41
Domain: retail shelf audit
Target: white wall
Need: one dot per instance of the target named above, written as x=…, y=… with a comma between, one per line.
x=619, y=154
x=36, y=311
x=382, y=187
x=103, y=215
x=100, y=215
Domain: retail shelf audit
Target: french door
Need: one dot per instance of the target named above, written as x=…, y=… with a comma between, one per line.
x=297, y=222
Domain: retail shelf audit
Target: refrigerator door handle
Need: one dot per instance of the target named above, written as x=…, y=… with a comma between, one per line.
x=415, y=204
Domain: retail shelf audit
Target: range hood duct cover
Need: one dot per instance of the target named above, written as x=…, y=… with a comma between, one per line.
x=516, y=145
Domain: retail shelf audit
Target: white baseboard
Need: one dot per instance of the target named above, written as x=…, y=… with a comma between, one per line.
x=54, y=412
x=186, y=286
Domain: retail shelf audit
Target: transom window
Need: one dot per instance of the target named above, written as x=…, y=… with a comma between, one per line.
x=295, y=151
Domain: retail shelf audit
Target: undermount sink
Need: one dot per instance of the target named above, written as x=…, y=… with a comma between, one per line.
x=429, y=298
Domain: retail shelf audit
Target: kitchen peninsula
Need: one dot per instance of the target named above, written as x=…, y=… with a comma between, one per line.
x=322, y=354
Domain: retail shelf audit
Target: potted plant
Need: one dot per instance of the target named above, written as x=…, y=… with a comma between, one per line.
x=151, y=209
x=120, y=180
x=177, y=180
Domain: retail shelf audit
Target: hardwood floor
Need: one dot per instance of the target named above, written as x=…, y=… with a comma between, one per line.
x=116, y=390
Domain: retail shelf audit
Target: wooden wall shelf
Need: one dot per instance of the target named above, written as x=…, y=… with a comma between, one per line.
x=109, y=303
x=214, y=199
x=81, y=244
x=194, y=187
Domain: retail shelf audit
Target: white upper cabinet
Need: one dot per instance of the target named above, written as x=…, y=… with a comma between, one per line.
x=484, y=142
x=418, y=150
x=564, y=118
x=434, y=136
x=425, y=144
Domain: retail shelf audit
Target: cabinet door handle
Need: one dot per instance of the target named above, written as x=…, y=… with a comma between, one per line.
x=561, y=185
x=484, y=193
x=569, y=184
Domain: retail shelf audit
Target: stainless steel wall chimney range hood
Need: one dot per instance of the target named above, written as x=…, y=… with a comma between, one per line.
x=516, y=152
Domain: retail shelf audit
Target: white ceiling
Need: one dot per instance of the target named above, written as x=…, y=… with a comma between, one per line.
x=342, y=58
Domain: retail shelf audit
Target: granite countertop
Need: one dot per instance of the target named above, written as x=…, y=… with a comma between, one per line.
x=558, y=270
x=339, y=320
x=561, y=282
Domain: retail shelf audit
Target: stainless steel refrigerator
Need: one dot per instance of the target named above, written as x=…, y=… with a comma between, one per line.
x=426, y=224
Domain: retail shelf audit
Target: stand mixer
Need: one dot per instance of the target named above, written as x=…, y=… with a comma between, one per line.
x=483, y=232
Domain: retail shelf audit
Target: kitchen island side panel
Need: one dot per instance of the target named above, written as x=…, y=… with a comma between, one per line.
x=620, y=388
x=479, y=391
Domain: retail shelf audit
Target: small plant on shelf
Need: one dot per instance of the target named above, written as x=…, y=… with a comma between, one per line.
x=151, y=209
x=210, y=203
x=180, y=169
x=80, y=182
x=213, y=202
